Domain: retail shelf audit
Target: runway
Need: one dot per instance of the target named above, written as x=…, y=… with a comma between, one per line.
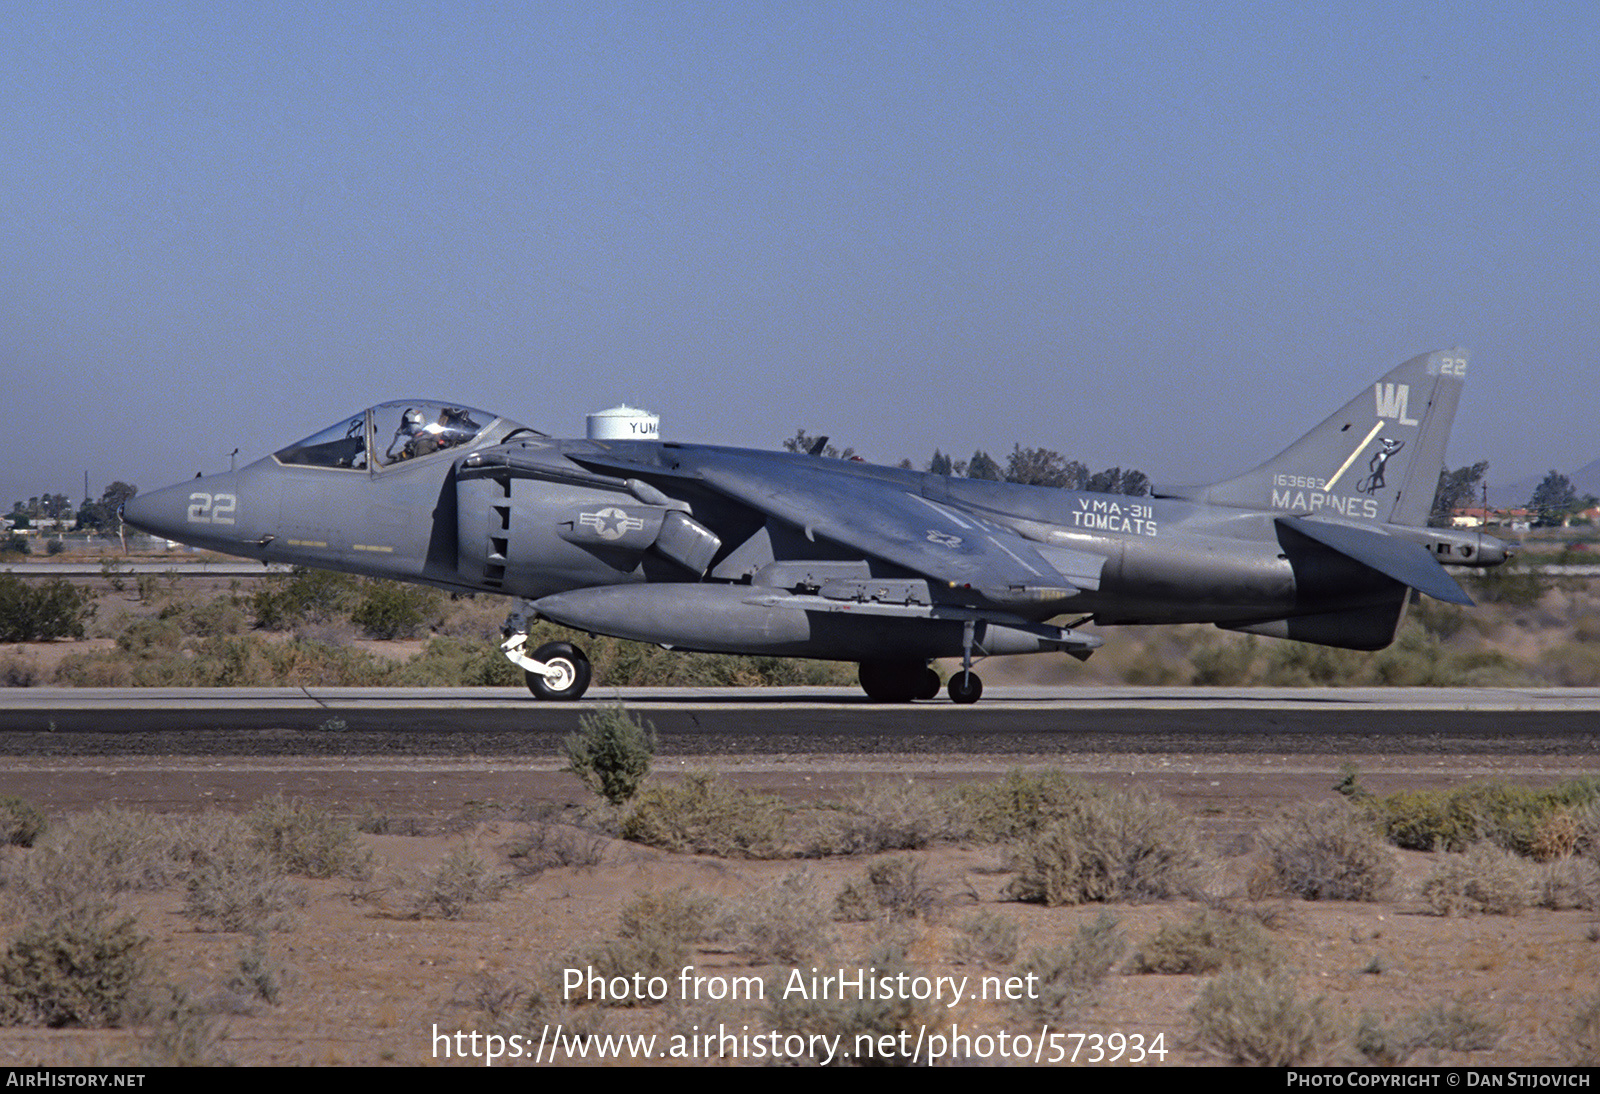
x=754, y=721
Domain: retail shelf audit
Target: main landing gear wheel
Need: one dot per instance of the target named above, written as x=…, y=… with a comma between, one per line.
x=965, y=687
x=569, y=672
x=897, y=681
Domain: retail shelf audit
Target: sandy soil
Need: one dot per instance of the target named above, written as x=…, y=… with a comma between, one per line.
x=365, y=985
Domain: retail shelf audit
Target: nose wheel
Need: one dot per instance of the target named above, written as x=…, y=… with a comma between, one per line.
x=565, y=674
x=557, y=670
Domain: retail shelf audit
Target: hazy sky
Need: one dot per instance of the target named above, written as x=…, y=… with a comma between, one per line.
x=1167, y=236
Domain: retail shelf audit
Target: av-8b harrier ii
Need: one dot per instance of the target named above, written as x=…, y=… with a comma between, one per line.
x=727, y=550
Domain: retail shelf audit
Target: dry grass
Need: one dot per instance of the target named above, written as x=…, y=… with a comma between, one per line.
x=1327, y=852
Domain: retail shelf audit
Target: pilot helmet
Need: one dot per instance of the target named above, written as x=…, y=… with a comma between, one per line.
x=412, y=421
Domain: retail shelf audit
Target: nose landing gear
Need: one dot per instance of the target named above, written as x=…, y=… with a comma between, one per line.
x=557, y=670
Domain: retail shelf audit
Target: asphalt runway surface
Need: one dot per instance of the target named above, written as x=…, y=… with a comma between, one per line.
x=757, y=721
x=1228, y=756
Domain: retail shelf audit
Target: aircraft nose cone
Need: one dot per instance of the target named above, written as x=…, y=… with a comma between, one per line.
x=161, y=512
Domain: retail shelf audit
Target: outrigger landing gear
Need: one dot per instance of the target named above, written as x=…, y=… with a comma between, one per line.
x=557, y=670
x=965, y=687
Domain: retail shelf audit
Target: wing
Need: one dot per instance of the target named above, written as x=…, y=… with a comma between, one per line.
x=883, y=519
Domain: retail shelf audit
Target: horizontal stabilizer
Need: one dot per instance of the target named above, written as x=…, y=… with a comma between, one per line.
x=1391, y=556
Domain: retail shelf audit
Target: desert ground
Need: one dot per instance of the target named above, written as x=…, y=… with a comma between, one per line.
x=466, y=888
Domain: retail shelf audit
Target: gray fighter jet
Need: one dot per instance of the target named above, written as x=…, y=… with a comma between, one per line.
x=728, y=550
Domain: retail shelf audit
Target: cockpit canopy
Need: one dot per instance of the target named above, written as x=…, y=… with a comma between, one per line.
x=393, y=433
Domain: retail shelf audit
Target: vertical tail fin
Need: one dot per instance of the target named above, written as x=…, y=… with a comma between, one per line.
x=1378, y=459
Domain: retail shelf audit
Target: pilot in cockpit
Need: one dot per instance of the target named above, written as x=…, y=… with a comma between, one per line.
x=419, y=437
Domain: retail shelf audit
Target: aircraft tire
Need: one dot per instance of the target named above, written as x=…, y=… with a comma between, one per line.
x=930, y=684
x=891, y=681
x=573, y=679
x=965, y=687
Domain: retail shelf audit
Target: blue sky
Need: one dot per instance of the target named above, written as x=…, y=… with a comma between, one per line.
x=1167, y=236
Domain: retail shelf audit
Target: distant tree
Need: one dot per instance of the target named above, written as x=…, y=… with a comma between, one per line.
x=1553, y=499
x=982, y=466
x=1043, y=467
x=1135, y=484
x=1114, y=480
x=804, y=442
x=1458, y=489
x=940, y=464
x=102, y=514
x=19, y=516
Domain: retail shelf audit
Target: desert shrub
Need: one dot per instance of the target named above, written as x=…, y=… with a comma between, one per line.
x=154, y=653
x=304, y=596
x=1325, y=853
x=1300, y=664
x=511, y=1005
x=150, y=638
x=1068, y=976
x=206, y=618
x=1107, y=846
x=545, y=846
x=181, y=1033
x=700, y=815
x=90, y=857
x=1223, y=661
x=256, y=973
x=17, y=671
x=1570, y=665
x=893, y=888
x=1484, y=881
x=1247, y=1018
x=462, y=880
x=895, y=816
x=871, y=1032
x=78, y=970
x=16, y=544
x=241, y=891
x=611, y=753
x=656, y=936
x=1438, y=618
x=1556, y=836
x=1514, y=817
x=667, y=920
x=43, y=611
x=1018, y=805
x=21, y=824
x=986, y=939
x=1454, y=1027
x=1513, y=582
x=389, y=610
x=1583, y=1034
x=1209, y=941
x=778, y=922
x=308, y=841
x=1570, y=883
x=456, y=662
